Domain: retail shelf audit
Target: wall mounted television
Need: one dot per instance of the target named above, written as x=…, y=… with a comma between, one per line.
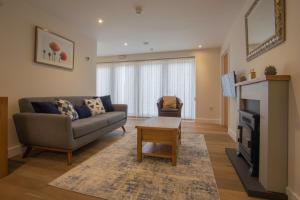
x=228, y=84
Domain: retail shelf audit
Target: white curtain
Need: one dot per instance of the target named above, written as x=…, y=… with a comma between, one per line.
x=140, y=84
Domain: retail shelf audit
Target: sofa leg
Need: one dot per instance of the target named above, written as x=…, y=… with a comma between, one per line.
x=27, y=152
x=124, y=130
x=69, y=157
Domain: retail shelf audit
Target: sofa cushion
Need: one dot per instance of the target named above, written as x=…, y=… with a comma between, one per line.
x=83, y=111
x=106, y=101
x=66, y=108
x=45, y=107
x=95, y=105
x=115, y=116
x=85, y=126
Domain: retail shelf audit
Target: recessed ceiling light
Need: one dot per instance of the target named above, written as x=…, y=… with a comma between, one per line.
x=200, y=46
x=125, y=44
x=100, y=21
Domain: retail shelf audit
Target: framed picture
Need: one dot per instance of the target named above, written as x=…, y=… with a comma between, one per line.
x=53, y=49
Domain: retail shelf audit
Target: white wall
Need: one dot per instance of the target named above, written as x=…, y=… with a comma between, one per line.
x=208, y=93
x=286, y=58
x=21, y=77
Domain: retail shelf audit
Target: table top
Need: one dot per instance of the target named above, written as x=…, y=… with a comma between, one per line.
x=160, y=123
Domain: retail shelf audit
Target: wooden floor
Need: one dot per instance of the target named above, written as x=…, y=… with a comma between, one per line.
x=29, y=177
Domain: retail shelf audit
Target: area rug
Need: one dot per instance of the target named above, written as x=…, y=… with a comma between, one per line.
x=114, y=173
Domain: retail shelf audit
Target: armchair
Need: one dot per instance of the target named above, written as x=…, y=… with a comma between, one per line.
x=169, y=112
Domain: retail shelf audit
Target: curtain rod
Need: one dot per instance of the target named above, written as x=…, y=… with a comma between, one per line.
x=152, y=59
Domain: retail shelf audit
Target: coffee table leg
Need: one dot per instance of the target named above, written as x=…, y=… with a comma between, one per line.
x=174, y=149
x=139, y=145
x=180, y=133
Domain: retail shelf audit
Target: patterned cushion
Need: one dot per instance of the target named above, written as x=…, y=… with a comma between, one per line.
x=66, y=108
x=95, y=105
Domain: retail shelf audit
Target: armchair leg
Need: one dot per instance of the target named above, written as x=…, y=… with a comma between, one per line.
x=27, y=151
x=69, y=157
x=124, y=130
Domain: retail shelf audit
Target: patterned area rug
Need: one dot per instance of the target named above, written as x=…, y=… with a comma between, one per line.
x=114, y=173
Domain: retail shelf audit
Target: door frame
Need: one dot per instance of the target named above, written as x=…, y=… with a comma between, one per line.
x=225, y=100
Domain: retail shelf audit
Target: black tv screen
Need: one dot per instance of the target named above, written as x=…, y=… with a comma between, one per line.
x=228, y=84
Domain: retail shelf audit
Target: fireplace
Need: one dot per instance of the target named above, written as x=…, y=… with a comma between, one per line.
x=248, y=140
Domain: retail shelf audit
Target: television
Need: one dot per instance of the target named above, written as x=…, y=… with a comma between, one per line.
x=228, y=84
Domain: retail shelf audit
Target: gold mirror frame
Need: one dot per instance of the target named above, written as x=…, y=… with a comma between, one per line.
x=276, y=39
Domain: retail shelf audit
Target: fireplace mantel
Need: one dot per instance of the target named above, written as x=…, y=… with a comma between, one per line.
x=265, y=78
x=272, y=93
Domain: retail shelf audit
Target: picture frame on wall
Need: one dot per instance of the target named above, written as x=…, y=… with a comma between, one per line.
x=53, y=49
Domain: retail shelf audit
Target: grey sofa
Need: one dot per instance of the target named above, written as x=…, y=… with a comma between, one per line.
x=57, y=132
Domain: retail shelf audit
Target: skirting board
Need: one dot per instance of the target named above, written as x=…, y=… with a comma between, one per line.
x=15, y=150
x=291, y=194
x=232, y=134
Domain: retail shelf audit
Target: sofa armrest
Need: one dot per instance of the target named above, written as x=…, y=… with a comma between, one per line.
x=46, y=130
x=121, y=107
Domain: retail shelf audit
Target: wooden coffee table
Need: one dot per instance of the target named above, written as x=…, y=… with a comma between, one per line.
x=159, y=137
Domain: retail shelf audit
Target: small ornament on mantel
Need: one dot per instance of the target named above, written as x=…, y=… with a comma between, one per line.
x=252, y=74
x=270, y=70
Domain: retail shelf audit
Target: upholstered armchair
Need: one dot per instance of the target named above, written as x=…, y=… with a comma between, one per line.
x=169, y=112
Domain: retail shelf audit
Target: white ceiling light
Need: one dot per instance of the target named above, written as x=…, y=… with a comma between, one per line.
x=100, y=21
x=125, y=44
x=200, y=46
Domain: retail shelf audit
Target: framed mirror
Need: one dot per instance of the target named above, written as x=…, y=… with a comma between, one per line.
x=265, y=26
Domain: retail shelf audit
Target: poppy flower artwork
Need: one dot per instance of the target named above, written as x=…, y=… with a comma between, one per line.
x=53, y=49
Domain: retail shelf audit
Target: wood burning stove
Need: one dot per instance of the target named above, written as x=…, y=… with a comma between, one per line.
x=248, y=140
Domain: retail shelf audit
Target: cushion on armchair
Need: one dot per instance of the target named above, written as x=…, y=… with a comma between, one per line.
x=169, y=102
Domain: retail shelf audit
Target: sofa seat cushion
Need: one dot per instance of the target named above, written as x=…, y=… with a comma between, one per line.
x=85, y=126
x=114, y=116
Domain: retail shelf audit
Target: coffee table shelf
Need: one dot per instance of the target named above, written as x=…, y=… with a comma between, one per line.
x=157, y=150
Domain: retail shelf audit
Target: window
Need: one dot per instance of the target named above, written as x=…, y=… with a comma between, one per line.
x=140, y=84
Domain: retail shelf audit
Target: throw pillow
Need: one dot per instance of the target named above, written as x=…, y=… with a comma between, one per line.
x=106, y=101
x=83, y=111
x=45, y=107
x=66, y=108
x=169, y=102
x=95, y=105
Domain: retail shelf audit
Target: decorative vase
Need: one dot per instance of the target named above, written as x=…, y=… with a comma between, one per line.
x=270, y=70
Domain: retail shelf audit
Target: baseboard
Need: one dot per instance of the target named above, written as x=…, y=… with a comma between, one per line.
x=232, y=134
x=209, y=121
x=15, y=150
x=291, y=194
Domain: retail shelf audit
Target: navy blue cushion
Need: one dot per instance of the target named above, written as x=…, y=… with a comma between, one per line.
x=83, y=111
x=106, y=101
x=45, y=107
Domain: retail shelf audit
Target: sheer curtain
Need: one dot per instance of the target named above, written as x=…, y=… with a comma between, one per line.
x=140, y=84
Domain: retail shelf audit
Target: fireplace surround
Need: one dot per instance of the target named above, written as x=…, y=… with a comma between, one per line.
x=270, y=93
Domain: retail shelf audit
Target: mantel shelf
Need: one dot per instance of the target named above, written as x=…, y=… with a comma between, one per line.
x=265, y=78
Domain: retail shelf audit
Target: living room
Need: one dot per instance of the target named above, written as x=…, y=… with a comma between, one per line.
x=182, y=68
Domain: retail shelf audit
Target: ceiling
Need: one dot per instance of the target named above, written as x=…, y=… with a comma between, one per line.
x=167, y=25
